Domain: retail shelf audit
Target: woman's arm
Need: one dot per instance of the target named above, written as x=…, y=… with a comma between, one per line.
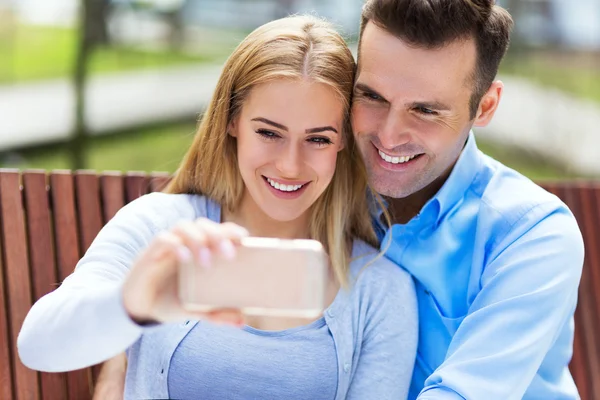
x=111, y=381
x=84, y=322
x=128, y=278
x=389, y=345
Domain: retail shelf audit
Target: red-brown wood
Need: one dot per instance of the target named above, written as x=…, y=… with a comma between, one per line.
x=62, y=189
x=136, y=184
x=42, y=260
x=112, y=186
x=18, y=283
x=32, y=237
x=159, y=180
x=6, y=351
x=87, y=192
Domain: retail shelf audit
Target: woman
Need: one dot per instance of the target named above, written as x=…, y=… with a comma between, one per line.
x=273, y=154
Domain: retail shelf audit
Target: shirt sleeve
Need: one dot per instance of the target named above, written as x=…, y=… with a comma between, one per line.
x=83, y=322
x=389, y=344
x=528, y=293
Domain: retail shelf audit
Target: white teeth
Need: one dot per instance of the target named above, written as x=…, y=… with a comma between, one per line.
x=282, y=187
x=395, y=160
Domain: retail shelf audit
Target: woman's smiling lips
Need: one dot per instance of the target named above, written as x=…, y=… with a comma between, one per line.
x=284, y=189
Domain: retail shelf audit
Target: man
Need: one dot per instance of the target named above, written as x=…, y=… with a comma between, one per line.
x=496, y=259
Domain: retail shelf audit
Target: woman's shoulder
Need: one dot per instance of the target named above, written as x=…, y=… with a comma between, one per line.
x=374, y=274
x=165, y=209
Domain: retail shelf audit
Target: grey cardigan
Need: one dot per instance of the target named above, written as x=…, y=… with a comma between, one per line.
x=83, y=322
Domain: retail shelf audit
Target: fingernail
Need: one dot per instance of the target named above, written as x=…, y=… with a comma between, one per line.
x=204, y=257
x=242, y=231
x=227, y=249
x=184, y=254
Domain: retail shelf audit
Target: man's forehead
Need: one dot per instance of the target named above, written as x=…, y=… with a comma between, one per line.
x=385, y=60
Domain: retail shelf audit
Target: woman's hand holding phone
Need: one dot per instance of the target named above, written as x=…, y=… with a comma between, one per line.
x=150, y=292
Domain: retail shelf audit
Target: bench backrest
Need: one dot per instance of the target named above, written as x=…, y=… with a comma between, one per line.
x=47, y=221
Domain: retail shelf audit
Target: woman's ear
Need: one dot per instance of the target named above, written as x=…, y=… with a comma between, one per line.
x=232, y=128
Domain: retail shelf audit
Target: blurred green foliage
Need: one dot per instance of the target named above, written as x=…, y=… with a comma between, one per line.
x=39, y=52
x=575, y=73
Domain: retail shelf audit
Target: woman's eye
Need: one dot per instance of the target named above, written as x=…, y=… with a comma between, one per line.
x=267, y=134
x=322, y=141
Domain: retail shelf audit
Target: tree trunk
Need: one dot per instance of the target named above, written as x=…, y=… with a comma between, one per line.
x=80, y=72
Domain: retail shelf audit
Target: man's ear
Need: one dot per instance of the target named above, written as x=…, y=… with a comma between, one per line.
x=489, y=104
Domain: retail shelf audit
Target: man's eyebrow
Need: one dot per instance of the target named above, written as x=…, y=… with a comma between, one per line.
x=269, y=122
x=432, y=105
x=366, y=88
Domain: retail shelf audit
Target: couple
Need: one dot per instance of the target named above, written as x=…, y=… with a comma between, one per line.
x=485, y=310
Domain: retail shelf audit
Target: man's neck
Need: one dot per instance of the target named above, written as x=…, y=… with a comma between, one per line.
x=404, y=209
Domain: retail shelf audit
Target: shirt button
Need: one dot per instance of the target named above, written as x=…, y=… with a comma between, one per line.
x=346, y=367
x=330, y=313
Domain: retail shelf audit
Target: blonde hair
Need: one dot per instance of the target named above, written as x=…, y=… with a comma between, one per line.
x=297, y=47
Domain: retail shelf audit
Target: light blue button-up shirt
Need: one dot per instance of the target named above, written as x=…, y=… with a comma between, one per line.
x=497, y=262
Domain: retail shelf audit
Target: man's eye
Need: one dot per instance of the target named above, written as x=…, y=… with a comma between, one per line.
x=427, y=111
x=372, y=96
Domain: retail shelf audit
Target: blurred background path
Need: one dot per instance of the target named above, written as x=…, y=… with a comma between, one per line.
x=153, y=64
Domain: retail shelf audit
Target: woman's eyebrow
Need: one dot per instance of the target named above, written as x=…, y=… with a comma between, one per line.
x=285, y=128
x=321, y=129
x=269, y=122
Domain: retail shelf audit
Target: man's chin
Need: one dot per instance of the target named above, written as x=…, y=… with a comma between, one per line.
x=393, y=190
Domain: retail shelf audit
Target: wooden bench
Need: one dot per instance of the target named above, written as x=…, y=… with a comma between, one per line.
x=47, y=221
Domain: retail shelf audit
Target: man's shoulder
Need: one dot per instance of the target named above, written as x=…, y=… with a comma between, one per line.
x=507, y=195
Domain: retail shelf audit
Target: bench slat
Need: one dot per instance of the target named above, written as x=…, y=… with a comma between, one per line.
x=137, y=184
x=6, y=374
x=572, y=199
x=42, y=261
x=113, y=194
x=587, y=195
x=87, y=192
x=62, y=189
x=17, y=276
x=159, y=180
x=580, y=360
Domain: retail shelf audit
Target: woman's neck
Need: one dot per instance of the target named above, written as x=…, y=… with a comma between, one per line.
x=249, y=215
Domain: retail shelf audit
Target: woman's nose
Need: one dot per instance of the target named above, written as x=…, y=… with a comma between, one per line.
x=289, y=162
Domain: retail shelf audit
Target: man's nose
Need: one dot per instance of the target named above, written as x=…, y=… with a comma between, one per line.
x=289, y=161
x=394, y=130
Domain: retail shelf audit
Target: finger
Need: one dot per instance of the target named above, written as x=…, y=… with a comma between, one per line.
x=226, y=316
x=234, y=232
x=168, y=250
x=195, y=240
x=218, y=237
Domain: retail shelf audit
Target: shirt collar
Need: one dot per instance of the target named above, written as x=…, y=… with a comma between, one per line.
x=463, y=173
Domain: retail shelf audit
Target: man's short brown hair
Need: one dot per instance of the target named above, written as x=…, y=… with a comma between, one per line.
x=431, y=24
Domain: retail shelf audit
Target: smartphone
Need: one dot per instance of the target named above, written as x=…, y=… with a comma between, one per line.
x=269, y=277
